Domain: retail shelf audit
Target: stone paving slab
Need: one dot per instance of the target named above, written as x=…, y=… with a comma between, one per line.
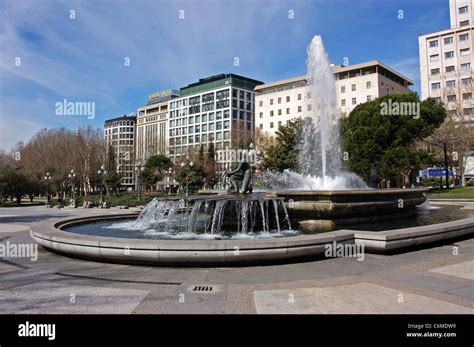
x=360, y=298
x=13, y=228
x=463, y=270
x=55, y=297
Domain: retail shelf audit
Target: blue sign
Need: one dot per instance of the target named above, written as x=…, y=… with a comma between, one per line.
x=438, y=172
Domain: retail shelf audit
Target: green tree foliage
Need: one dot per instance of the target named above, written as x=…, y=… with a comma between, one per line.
x=386, y=140
x=283, y=153
x=155, y=169
x=191, y=176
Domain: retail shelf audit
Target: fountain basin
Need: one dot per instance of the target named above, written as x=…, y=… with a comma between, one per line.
x=235, y=252
x=317, y=210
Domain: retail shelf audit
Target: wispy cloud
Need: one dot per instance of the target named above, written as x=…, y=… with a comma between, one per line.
x=82, y=59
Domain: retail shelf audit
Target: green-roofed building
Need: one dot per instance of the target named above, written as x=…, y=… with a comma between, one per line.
x=218, y=109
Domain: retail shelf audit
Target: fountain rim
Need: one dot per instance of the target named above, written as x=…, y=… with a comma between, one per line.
x=222, y=252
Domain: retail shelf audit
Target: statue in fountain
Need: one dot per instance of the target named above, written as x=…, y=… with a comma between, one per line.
x=240, y=179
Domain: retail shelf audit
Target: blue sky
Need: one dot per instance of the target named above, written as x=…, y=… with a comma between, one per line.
x=82, y=59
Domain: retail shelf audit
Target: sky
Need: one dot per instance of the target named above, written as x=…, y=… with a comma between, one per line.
x=114, y=53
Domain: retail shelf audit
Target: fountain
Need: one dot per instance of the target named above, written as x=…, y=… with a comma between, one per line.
x=288, y=220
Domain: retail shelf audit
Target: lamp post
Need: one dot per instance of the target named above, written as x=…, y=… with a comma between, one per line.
x=72, y=177
x=138, y=170
x=47, y=178
x=183, y=164
x=102, y=173
x=170, y=180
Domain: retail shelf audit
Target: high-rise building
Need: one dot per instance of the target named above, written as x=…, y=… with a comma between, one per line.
x=152, y=126
x=280, y=101
x=119, y=133
x=218, y=109
x=446, y=62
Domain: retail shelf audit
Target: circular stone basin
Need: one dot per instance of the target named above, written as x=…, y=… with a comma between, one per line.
x=230, y=252
x=124, y=228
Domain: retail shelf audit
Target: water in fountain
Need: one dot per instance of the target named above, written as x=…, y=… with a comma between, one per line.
x=320, y=148
x=219, y=216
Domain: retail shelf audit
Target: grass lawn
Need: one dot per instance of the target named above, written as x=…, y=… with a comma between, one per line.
x=453, y=193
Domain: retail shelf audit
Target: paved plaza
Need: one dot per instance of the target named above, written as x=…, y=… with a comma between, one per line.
x=432, y=280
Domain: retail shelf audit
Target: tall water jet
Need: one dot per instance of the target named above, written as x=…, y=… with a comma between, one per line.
x=320, y=143
x=320, y=157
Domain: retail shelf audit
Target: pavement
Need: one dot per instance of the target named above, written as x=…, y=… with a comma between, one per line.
x=433, y=280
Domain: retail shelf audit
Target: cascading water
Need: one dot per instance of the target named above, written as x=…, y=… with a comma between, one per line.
x=320, y=158
x=242, y=215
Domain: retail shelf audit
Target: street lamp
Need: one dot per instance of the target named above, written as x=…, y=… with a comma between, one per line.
x=72, y=177
x=102, y=173
x=138, y=170
x=47, y=178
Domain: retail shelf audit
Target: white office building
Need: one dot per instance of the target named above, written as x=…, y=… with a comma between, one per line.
x=280, y=101
x=152, y=126
x=446, y=62
x=120, y=134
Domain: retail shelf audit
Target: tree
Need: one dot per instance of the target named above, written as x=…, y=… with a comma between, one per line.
x=385, y=141
x=283, y=153
x=155, y=169
x=190, y=176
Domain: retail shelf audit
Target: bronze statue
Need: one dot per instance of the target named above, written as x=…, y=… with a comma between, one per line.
x=240, y=179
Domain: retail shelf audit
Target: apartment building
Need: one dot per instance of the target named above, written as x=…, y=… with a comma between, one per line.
x=219, y=109
x=446, y=62
x=120, y=134
x=280, y=101
x=152, y=126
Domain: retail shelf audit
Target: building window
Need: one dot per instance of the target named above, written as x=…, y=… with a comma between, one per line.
x=451, y=98
x=353, y=87
x=449, y=54
x=288, y=98
x=343, y=102
x=468, y=111
x=368, y=85
x=343, y=89
x=279, y=112
x=279, y=123
x=466, y=66
x=354, y=101
x=261, y=126
x=465, y=51
x=271, y=113
x=448, y=40
x=287, y=110
x=279, y=100
x=309, y=107
x=467, y=96
x=466, y=81
x=434, y=57
x=463, y=37
x=261, y=114
x=369, y=97
x=450, y=68
x=451, y=83
x=436, y=85
x=463, y=9
x=299, y=96
x=299, y=108
x=261, y=103
x=271, y=125
x=433, y=43
x=464, y=23
x=434, y=71
x=271, y=101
